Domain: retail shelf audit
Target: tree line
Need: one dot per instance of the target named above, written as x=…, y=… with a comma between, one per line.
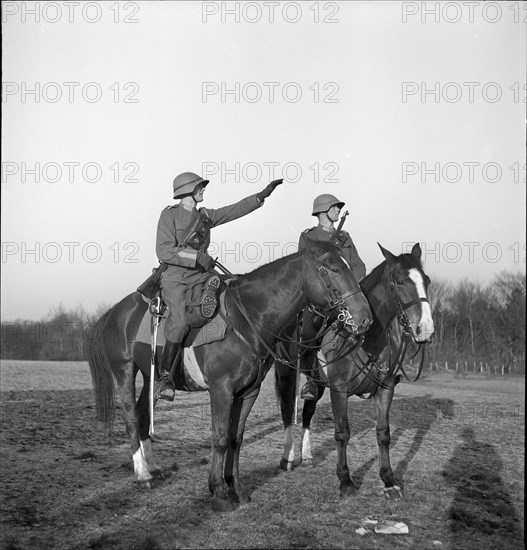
x=61, y=336
x=478, y=324
x=474, y=324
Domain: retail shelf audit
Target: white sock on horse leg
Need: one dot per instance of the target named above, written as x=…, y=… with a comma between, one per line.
x=146, y=446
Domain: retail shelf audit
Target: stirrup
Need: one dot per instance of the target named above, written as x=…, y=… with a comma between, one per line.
x=165, y=389
x=309, y=391
x=208, y=299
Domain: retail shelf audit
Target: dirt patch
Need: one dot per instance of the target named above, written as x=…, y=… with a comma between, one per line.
x=67, y=482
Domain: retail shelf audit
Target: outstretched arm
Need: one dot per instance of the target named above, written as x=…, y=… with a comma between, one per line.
x=242, y=208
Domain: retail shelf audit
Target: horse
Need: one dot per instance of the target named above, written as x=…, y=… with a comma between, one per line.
x=259, y=305
x=397, y=293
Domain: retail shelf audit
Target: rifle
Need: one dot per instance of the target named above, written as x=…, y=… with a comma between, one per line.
x=150, y=287
x=339, y=228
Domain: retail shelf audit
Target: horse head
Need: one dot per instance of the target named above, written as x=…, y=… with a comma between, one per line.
x=332, y=286
x=408, y=293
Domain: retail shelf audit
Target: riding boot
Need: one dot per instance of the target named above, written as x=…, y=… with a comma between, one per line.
x=166, y=388
x=209, y=302
x=309, y=391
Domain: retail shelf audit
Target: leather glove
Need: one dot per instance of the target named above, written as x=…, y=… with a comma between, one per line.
x=204, y=261
x=269, y=189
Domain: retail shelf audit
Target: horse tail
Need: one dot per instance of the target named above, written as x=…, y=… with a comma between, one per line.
x=101, y=372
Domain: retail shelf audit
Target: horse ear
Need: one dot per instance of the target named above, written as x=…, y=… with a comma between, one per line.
x=416, y=251
x=390, y=258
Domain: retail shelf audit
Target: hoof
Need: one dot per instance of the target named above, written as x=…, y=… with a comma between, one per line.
x=348, y=490
x=307, y=463
x=237, y=497
x=143, y=484
x=286, y=465
x=144, y=478
x=151, y=484
x=221, y=505
x=394, y=493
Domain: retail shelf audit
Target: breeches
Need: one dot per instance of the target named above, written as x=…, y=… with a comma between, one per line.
x=174, y=287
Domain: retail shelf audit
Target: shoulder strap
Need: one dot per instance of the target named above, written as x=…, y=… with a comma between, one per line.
x=204, y=216
x=190, y=228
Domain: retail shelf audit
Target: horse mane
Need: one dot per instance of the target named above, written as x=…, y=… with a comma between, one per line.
x=262, y=270
x=407, y=261
x=373, y=278
x=319, y=246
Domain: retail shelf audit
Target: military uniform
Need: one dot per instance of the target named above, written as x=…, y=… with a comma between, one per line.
x=310, y=321
x=324, y=204
x=343, y=240
x=184, y=270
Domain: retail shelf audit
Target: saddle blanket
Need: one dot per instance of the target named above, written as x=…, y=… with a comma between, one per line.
x=213, y=331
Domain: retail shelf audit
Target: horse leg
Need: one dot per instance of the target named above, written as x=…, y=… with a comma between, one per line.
x=240, y=411
x=221, y=402
x=308, y=411
x=339, y=403
x=125, y=378
x=285, y=381
x=143, y=411
x=382, y=403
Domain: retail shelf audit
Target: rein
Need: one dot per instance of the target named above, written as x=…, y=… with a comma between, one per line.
x=336, y=299
x=397, y=364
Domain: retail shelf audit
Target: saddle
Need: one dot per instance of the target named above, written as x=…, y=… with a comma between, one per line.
x=201, y=305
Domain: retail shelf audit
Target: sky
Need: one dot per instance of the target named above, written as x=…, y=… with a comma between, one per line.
x=411, y=113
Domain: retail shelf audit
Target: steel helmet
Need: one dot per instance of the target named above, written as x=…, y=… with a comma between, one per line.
x=324, y=202
x=185, y=183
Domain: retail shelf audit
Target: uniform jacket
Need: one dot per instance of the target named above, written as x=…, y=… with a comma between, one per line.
x=343, y=240
x=175, y=220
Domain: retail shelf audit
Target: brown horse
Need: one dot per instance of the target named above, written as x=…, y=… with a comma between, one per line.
x=397, y=293
x=258, y=305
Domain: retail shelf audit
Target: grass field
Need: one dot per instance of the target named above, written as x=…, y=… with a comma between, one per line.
x=66, y=482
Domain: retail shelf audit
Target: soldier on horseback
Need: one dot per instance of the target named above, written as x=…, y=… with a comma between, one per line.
x=327, y=209
x=183, y=237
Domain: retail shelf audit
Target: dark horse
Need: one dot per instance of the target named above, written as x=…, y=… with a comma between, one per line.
x=259, y=305
x=397, y=293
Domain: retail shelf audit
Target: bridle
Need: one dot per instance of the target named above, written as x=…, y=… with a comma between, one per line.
x=406, y=337
x=395, y=365
x=401, y=308
x=336, y=298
